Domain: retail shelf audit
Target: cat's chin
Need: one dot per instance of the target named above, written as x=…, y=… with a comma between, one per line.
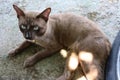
x=33, y=41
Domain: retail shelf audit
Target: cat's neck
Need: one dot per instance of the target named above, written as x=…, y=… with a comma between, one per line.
x=48, y=37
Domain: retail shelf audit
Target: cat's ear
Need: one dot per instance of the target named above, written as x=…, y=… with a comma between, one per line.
x=45, y=14
x=18, y=11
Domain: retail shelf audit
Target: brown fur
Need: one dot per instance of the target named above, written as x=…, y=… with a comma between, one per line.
x=69, y=31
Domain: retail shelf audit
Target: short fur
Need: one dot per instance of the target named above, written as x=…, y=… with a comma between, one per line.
x=69, y=31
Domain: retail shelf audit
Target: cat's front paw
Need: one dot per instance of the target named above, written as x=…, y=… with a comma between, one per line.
x=67, y=75
x=12, y=53
x=29, y=62
x=61, y=78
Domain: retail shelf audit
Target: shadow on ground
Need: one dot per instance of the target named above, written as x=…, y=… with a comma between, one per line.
x=47, y=69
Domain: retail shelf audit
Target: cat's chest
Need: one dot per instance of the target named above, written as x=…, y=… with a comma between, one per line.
x=45, y=42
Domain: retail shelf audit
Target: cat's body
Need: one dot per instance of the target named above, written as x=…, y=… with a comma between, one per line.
x=68, y=31
x=59, y=27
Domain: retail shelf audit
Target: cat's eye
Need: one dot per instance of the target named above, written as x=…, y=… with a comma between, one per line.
x=23, y=27
x=36, y=28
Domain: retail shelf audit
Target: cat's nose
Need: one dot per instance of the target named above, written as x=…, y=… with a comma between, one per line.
x=28, y=36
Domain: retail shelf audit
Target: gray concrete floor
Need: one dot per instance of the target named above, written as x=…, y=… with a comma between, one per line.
x=106, y=13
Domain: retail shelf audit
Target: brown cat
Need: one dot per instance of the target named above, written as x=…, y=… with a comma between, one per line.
x=68, y=31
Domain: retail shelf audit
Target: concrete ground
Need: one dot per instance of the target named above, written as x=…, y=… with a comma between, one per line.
x=106, y=13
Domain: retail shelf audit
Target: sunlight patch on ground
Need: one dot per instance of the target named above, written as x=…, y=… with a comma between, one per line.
x=86, y=56
x=73, y=61
x=64, y=53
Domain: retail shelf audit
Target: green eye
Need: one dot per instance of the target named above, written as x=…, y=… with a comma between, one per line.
x=36, y=28
x=23, y=27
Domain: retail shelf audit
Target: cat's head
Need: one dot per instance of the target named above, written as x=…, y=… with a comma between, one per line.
x=32, y=24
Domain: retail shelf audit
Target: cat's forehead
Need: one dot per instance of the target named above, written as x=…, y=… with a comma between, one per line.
x=31, y=14
x=29, y=18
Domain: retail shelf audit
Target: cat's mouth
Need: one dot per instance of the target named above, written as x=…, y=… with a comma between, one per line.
x=33, y=41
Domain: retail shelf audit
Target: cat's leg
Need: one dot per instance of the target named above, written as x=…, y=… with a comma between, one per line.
x=92, y=67
x=19, y=49
x=30, y=61
x=67, y=75
x=70, y=67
